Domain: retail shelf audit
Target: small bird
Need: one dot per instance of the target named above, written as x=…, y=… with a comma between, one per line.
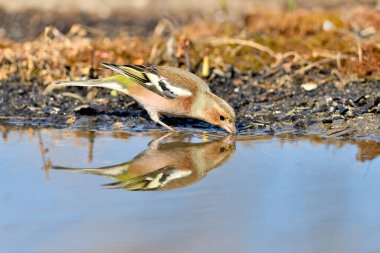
x=167, y=163
x=165, y=90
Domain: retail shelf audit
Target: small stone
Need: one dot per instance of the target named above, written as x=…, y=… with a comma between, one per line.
x=31, y=108
x=51, y=110
x=269, y=129
x=327, y=121
x=351, y=103
x=350, y=114
x=359, y=100
x=309, y=86
x=117, y=124
x=300, y=124
x=339, y=131
x=71, y=119
x=328, y=26
x=342, y=110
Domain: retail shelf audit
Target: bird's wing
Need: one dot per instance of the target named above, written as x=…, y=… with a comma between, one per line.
x=150, y=181
x=150, y=79
x=183, y=79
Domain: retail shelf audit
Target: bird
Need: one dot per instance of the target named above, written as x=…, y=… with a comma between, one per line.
x=166, y=90
x=167, y=163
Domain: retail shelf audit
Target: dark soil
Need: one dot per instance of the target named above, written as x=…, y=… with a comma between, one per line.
x=352, y=111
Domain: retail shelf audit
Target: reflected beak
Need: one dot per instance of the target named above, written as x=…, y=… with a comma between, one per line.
x=231, y=128
x=230, y=139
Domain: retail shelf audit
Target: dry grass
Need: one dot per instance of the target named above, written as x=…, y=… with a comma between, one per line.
x=346, y=43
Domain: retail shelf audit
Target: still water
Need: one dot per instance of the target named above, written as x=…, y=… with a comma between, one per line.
x=78, y=191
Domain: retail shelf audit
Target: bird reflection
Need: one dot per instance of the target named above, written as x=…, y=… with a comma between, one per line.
x=170, y=161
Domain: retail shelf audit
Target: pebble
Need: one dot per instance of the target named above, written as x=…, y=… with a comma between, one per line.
x=342, y=109
x=51, y=110
x=359, y=100
x=327, y=121
x=350, y=114
x=309, y=86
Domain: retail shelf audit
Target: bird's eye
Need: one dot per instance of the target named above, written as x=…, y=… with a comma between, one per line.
x=222, y=117
x=222, y=149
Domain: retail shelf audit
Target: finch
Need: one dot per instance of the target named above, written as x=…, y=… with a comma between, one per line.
x=165, y=166
x=165, y=90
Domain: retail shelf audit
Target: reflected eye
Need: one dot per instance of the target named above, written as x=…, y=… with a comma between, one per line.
x=222, y=117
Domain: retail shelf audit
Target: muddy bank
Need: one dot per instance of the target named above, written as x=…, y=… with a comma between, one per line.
x=352, y=111
x=299, y=72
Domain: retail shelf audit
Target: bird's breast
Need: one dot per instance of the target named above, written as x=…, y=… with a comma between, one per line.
x=151, y=101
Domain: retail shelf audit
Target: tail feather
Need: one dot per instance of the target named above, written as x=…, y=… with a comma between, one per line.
x=107, y=83
x=111, y=171
x=83, y=83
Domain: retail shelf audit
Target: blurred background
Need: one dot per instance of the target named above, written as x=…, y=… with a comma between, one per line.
x=167, y=5
x=22, y=19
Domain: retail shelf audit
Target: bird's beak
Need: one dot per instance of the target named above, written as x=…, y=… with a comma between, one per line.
x=230, y=127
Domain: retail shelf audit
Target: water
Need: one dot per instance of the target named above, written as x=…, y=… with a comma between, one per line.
x=70, y=191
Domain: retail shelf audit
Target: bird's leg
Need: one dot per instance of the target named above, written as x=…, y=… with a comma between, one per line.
x=153, y=144
x=156, y=118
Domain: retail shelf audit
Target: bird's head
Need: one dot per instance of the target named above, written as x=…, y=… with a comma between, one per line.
x=219, y=113
x=219, y=151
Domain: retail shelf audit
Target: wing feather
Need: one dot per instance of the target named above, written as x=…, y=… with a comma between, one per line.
x=150, y=79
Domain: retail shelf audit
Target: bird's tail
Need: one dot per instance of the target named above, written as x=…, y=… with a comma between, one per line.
x=112, y=83
x=109, y=171
x=80, y=170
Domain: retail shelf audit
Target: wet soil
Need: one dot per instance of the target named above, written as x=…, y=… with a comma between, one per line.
x=263, y=104
x=339, y=112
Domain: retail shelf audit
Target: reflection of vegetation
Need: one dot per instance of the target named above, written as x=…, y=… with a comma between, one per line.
x=166, y=164
x=170, y=161
x=367, y=149
x=44, y=152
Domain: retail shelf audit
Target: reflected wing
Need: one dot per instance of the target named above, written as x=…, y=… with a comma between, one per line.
x=150, y=79
x=150, y=181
